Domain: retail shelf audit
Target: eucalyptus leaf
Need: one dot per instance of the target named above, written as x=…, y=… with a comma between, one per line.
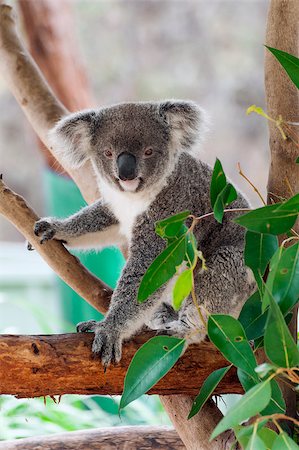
x=207, y=389
x=182, y=288
x=259, y=249
x=289, y=62
x=228, y=335
x=252, y=318
x=276, y=404
x=255, y=443
x=268, y=436
x=243, y=433
x=284, y=442
x=171, y=226
x=268, y=219
x=224, y=198
x=283, y=279
x=250, y=404
x=218, y=182
x=149, y=364
x=162, y=268
x=280, y=347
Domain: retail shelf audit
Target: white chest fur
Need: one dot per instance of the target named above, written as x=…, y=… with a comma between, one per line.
x=126, y=206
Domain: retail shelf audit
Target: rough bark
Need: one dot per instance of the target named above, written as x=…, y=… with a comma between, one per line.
x=282, y=99
x=34, y=366
x=114, y=438
x=67, y=266
x=35, y=97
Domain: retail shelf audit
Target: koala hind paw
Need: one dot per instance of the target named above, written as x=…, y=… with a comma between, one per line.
x=107, y=343
x=45, y=229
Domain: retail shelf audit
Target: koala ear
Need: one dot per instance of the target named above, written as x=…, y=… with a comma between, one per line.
x=71, y=137
x=187, y=123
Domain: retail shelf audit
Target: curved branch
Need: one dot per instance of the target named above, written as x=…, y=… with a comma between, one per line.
x=67, y=266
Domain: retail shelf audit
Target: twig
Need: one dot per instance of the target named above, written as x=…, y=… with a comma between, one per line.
x=251, y=184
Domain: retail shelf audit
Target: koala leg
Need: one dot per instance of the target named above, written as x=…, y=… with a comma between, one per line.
x=162, y=316
x=221, y=289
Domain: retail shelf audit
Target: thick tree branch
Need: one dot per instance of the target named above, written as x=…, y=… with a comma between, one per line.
x=35, y=97
x=34, y=366
x=67, y=266
x=112, y=438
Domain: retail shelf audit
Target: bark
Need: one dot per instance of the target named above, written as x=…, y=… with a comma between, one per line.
x=34, y=366
x=35, y=97
x=282, y=99
x=114, y=438
x=67, y=266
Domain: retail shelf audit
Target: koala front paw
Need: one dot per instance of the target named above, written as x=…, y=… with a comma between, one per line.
x=45, y=229
x=107, y=342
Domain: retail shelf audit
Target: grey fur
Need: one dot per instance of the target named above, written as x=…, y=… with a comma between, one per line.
x=170, y=180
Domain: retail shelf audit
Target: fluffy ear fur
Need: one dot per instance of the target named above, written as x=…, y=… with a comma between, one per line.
x=187, y=123
x=71, y=137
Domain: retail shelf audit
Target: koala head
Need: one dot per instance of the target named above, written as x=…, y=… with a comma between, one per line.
x=130, y=145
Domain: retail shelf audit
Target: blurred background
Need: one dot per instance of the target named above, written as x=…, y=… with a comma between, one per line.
x=208, y=51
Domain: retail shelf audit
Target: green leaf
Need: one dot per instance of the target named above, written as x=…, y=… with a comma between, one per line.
x=276, y=404
x=291, y=205
x=268, y=436
x=259, y=249
x=149, y=364
x=162, y=268
x=243, y=433
x=284, y=442
x=255, y=443
x=182, y=288
x=268, y=219
x=218, y=182
x=289, y=62
x=228, y=335
x=224, y=198
x=249, y=405
x=171, y=226
x=283, y=279
x=207, y=389
x=252, y=318
x=297, y=160
x=280, y=347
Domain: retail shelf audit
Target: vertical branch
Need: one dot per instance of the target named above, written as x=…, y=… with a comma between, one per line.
x=282, y=98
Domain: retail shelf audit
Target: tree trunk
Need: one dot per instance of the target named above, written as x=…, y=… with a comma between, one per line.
x=282, y=99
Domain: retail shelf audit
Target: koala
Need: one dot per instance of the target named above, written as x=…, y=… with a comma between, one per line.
x=145, y=157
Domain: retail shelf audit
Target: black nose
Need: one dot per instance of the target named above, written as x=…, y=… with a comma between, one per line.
x=126, y=164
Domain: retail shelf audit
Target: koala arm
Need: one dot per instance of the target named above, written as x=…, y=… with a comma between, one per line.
x=126, y=315
x=92, y=227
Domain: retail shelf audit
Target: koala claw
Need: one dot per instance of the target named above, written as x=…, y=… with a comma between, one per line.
x=106, y=344
x=89, y=325
x=44, y=229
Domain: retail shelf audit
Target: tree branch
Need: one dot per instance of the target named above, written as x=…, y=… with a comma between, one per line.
x=67, y=266
x=110, y=438
x=34, y=366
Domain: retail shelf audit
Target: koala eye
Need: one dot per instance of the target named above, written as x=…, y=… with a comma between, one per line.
x=108, y=153
x=148, y=151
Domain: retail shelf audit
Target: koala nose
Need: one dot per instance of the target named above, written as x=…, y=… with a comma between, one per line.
x=126, y=164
